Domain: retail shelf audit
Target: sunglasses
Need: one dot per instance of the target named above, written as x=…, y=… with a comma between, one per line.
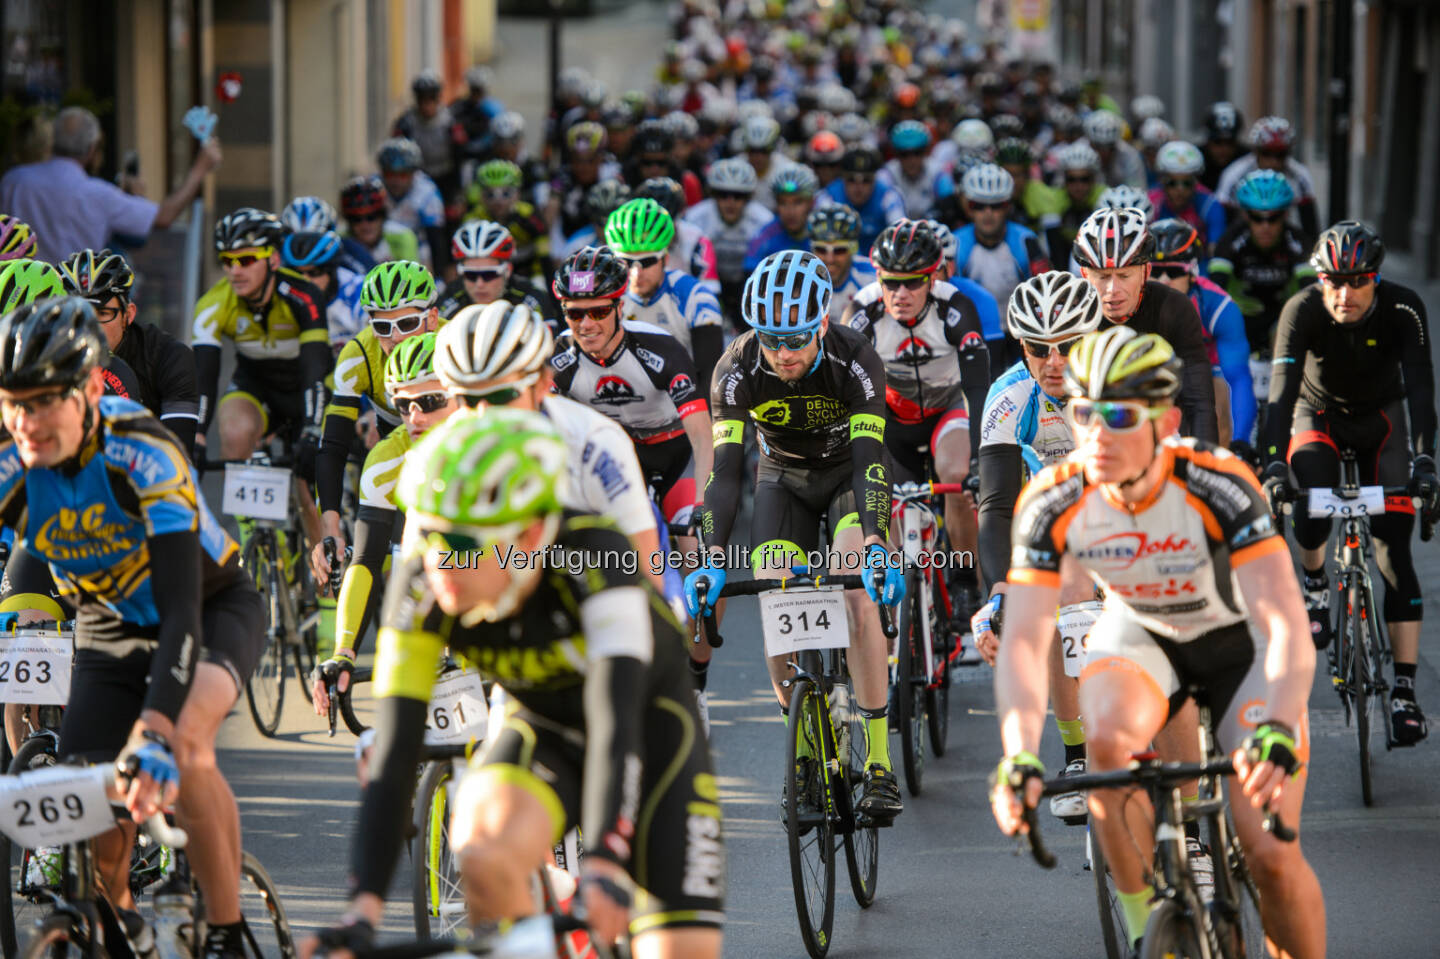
x=1041, y=351
x=502, y=395
x=642, y=262
x=833, y=249
x=451, y=539
x=501, y=193
x=909, y=153
x=1265, y=217
x=790, y=341
x=37, y=405
x=485, y=274
x=1170, y=271
x=654, y=161
x=424, y=403
x=245, y=259
x=576, y=314
x=1087, y=178
x=1274, y=154
x=314, y=272
x=400, y=326
x=908, y=282
x=729, y=195
x=1117, y=416
x=980, y=207
x=859, y=179
x=108, y=314
x=366, y=218
x=1356, y=281
x=1172, y=183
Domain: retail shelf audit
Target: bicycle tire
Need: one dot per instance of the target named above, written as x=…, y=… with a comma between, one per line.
x=265, y=689
x=910, y=695
x=305, y=650
x=937, y=698
x=347, y=710
x=1360, y=683
x=436, y=898
x=57, y=938
x=1170, y=934
x=1107, y=900
x=1233, y=880
x=862, y=844
x=267, y=929
x=16, y=913
x=814, y=886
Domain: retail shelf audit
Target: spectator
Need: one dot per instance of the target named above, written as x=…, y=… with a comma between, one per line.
x=70, y=209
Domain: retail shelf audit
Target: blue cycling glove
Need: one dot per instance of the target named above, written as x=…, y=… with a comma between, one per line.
x=154, y=760
x=714, y=578
x=893, y=589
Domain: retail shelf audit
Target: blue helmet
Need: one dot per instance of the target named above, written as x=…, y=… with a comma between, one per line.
x=311, y=250
x=789, y=292
x=308, y=214
x=909, y=135
x=1264, y=191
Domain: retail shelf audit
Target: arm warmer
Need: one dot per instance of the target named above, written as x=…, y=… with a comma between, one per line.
x=175, y=563
x=1000, y=472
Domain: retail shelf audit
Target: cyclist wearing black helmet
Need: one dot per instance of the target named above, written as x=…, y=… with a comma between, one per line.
x=430, y=124
x=1352, y=353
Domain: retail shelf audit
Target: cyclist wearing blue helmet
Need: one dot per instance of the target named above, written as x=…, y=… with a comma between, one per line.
x=922, y=184
x=815, y=392
x=319, y=257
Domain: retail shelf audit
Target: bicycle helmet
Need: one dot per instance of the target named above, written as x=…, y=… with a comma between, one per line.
x=732, y=175
x=1065, y=120
x=603, y=199
x=793, y=179
x=585, y=138
x=426, y=84
x=824, y=149
x=1222, y=121
x=1147, y=106
x=592, y=272
x=1111, y=239
x=943, y=233
x=246, y=229
x=310, y=250
x=1056, y=305
x=49, y=342
x=1014, y=151
x=17, y=240
x=640, y=226
x=25, y=281
x=909, y=135
x=973, y=135
x=833, y=224
x=97, y=276
x=1264, y=191
x=907, y=247
x=1121, y=364
x=398, y=155
x=1125, y=196
x=665, y=192
x=987, y=183
x=496, y=469
x=852, y=129
x=508, y=126
x=308, y=214
x=681, y=126
x=759, y=134
x=1103, y=128
x=789, y=292
x=652, y=137
x=1179, y=158
x=1272, y=133
x=1348, y=247
x=482, y=238
x=481, y=344
x=1176, y=242
x=363, y=196
x=411, y=362
x=906, y=96
x=1077, y=156
x=1005, y=125
x=396, y=285
x=498, y=175
x=479, y=78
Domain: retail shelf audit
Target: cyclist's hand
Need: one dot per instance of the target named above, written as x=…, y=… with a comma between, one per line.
x=1266, y=762
x=340, y=941
x=319, y=566
x=982, y=632
x=892, y=589
x=1276, y=484
x=1021, y=771
x=714, y=579
x=154, y=777
x=335, y=670
x=1424, y=484
x=605, y=897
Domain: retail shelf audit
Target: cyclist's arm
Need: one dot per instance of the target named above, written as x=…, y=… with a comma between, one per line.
x=974, y=358
x=307, y=305
x=1287, y=369
x=1272, y=598
x=1419, y=373
x=868, y=476
x=707, y=334
x=175, y=576
x=179, y=392
x=359, y=599
x=1233, y=350
x=1001, y=467
x=729, y=398
x=352, y=381
x=207, y=380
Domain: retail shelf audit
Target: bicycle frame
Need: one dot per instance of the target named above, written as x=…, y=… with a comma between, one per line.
x=914, y=515
x=1353, y=549
x=824, y=672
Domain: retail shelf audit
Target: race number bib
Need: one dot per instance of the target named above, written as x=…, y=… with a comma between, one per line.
x=257, y=492
x=35, y=667
x=1074, y=622
x=1370, y=501
x=457, y=711
x=55, y=805
x=804, y=619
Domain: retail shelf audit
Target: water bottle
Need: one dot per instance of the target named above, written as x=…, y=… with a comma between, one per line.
x=841, y=712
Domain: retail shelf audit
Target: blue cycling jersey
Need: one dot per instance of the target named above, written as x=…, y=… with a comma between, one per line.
x=1224, y=327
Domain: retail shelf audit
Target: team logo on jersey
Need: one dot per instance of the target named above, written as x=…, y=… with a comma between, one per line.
x=613, y=391
x=1121, y=550
x=681, y=386
x=655, y=361
x=563, y=361
x=913, y=349
x=971, y=341
x=772, y=412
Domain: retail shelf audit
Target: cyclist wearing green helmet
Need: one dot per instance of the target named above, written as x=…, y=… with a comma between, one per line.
x=495, y=196
x=595, y=662
x=399, y=298
x=415, y=390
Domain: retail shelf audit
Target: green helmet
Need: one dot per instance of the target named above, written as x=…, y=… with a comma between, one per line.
x=411, y=362
x=396, y=285
x=640, y=226
x=25, y=281
x=498, y=173
x=489, y=469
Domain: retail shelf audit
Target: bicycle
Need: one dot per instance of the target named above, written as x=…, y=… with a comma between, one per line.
x=824, y=776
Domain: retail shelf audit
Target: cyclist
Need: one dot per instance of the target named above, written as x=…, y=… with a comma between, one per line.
x=164, y=367
x=148, y=570
x=483, y=253
x=878, y=204
x=415, y=200
x=1153, y=134
x=1271, y=139
x=640, y=233
x=653, y=152
x=370, y=236
x=586, y=164
x=759, y=139
x=498, y=183
x=1079, y=169
x=1034, y=205
x=399, y=299
x=604, y=198
x=17, y=239
x=977, y=294
x=731, y=218
x=1222, y=144
x=823, y=154
x=1184, y=506
x=507, y=142
x=1022, y=431
x=1180, y=195
x=1114, y=249
x=814, y=391
x=318, y=258
x=1178, y=251
x=596, y=735
x=834, y=233
x=1352, y=353
x=922, y=184
x=475, y=114
x=691, y=249
x=1120, y=163
x=412, y=387
x=793, y=187
x=435, y=131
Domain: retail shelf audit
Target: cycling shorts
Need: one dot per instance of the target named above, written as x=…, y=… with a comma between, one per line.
x=790, y=501
x=282, y=408
x=669, y=468
x=912, y=445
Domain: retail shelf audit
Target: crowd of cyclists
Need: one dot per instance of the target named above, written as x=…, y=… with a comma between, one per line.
x=892, y=253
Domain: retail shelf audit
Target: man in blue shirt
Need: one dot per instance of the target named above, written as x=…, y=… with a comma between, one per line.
x=878, y=204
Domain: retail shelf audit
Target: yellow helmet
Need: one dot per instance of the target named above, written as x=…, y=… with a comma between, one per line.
x=1120, y=364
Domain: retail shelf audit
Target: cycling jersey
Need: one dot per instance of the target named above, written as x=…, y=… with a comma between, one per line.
x=1126, y=166
x=1169, y=314
x=375, y=530
x=165, y=373
x=532, y=237
x=1224, y=332
x=773, y=238
x=1303, y=213
x=730, y=240
x=280, y=356
x=343, y=316
x=1205, y=213
x=884, y=207
x=128, y=538
x=397, y=242
x=693, y=253
x=1260, y=281
x=647, y=385
x=843, y=293
x=422, y=209
x=683, y=307
x=1001, y=267
x=359, y=377
x=920, y=195
x=437, y=136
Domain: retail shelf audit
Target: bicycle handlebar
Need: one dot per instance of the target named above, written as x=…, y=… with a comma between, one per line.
x=156, y=826
x=754, y=587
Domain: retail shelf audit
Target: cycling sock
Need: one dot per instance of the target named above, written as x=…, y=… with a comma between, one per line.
x=878, y=733
x=1137, y=911
x=1316, y=579
x=700, y=672
x=1192, y=827
x=1072, y=734
x=1404, y=681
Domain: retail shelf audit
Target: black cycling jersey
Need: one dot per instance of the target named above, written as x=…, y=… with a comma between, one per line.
x=120, y=378
x=1354, y=368
x=1170, y=314
x=1261, y=281
x=165, y=368
x=518, y=291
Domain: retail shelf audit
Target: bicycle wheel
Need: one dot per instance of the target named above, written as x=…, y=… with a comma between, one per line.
x=347, y=710
x=811, y=833
x=57, y=937
x=937, y=698
x=1244, y=937
x=265, y=689
x=1170, y=934
x=1360, y=678
x=1382, y=663
x=862, y=844
x=439, y=902
x=303, y=651
x=1107, y=901
x=267, y=930
x=910, y=690
x=19, y=913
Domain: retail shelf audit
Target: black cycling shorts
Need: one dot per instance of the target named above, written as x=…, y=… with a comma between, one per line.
x=669, y=468
x=678, y=859
x=282, y=404
x=911, y=446
x=790, y=500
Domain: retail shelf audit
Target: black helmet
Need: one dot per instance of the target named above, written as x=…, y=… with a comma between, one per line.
x=907, y=246
x=665, y=192
x=54, y=342
x=425, y=84
x=248, y=227
x=652, y=137
x=1223, y=121
x=592, y=272
x=604, y=198
x=97, y=276
x=1348, y=247
x=1176, y=241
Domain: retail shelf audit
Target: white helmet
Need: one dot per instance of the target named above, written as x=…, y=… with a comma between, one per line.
x=1053, y=306
x=508, y=126
x=479, y=238
x=1112, y=239
x=1155, y=133
x=1145, y=106
x=1103, y=128
x=1077, y=156
x=759, y=133
x=308, y=214
x=732, y=175
x=481, y=344
x=987, y=183
x=973, y=135
x=1126, y=196
x=1179, y=157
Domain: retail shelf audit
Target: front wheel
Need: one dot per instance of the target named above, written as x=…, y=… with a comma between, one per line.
x=910, y=683
x=267, y=929
x=1170, y=934
x=265, y=689
x=811, y=832
x=1361, y=680
x=862, y=844
x=937, y=695
x=1107, y=901
x=436, y=896
x=20, y=913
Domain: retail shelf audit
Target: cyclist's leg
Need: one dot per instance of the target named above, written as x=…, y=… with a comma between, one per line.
x=785, y=528
x=950, y=444
x=30, y=593
x=1075, y=587
x=241, y=419
x=1315, y=461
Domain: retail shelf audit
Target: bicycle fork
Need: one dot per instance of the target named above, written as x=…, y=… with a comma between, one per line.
x=826, y=742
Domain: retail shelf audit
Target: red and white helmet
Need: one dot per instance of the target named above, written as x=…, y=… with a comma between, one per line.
x=481, y=238
x=1111, y=239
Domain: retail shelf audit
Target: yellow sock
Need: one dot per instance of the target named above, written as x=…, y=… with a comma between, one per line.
x=878, y=732
x=1072, y=731
x=1137, y=911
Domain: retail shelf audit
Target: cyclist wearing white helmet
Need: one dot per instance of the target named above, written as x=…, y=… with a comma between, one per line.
x=731, y=218
x=483, y=253
x=1119, y=198
x=1119, y=161
x=759, y=138
x=1181, y=196
x=416, y=200
x=946, y=278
